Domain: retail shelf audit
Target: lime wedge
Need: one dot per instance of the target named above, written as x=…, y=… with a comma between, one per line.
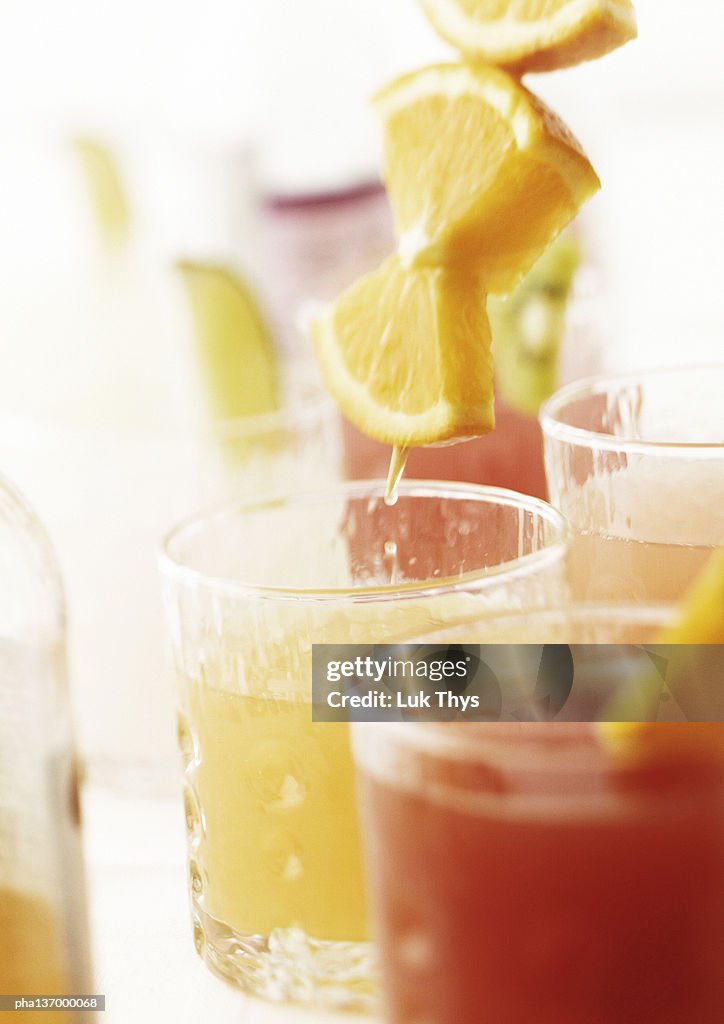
x=528, y=328
x=234, y=342
x=105, y=188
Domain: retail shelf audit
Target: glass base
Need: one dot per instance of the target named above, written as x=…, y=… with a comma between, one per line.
x=290, y=967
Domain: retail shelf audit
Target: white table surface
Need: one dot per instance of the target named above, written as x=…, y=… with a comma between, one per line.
x=144, y=959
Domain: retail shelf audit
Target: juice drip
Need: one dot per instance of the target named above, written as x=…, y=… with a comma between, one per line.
x=398, y=461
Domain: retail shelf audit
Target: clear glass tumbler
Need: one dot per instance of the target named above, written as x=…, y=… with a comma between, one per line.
x=636, y=464
x=555, y=872
x=278, y=902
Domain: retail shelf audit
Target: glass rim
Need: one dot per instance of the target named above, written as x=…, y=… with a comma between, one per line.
x=174, y=568
x=579, y=612
x=552, y=425
x=419, y=734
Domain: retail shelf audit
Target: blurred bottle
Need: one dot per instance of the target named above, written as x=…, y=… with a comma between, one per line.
x=324, y=219
x=316, y=243
x=321, y=229
x=42, y=903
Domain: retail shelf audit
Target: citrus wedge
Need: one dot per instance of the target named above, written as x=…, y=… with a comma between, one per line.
x=533, y=35
x=406, y=354
x=105, y=190
x=701, y=620
x=696, y=643
x=693, y=675
x=234, y=342
x=479, y=172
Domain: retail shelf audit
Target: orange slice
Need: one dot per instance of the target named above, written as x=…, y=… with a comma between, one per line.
x=479, y=171
x=406, y=354
x=533, y=35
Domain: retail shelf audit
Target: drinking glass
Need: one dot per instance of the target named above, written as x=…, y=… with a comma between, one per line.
x=636, y=464
x=556, y=872
x=278, y=903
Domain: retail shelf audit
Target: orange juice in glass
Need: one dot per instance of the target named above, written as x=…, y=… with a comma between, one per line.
x=275, y=873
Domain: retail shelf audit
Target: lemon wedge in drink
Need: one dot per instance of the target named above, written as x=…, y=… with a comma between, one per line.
x=530, y=35
x=235, y=345
x=105, y=189
x=694, y=676
x=480, y=173
x=702, y=613
x=692, y=672
x=406, y=354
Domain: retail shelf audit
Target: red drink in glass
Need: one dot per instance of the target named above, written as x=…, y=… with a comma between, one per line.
x=529, y=873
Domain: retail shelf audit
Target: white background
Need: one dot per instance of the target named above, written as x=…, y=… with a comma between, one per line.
x=295, y=75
